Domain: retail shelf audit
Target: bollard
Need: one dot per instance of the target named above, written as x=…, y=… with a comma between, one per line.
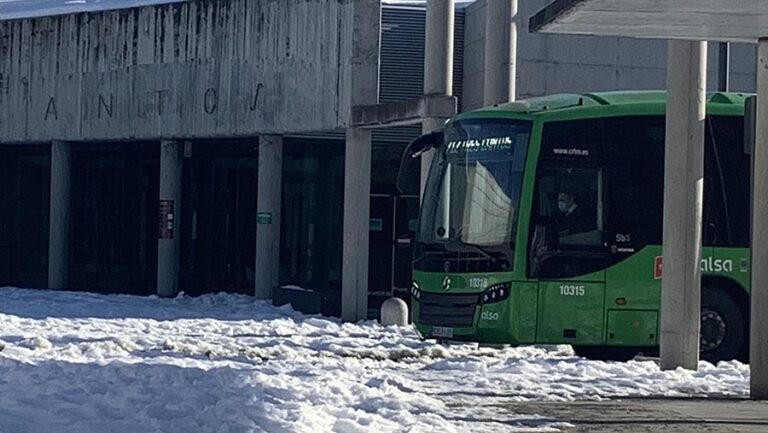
x=394, y=311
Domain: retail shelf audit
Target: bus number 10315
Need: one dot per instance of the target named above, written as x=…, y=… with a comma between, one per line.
x=569, y=290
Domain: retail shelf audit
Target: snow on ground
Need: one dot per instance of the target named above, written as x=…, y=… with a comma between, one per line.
x=78, y=362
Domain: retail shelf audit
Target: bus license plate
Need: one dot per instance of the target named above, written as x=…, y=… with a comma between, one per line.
x=442, y=332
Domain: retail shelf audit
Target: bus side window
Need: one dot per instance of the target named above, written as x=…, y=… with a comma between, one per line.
x=567, y=237
x=634, y=180
x=573, y=197
x=568, y=229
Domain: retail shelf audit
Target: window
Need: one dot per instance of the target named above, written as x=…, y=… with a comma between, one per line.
x=568, y=212
x=634, y=171
x=571, y=199
x=725, y=143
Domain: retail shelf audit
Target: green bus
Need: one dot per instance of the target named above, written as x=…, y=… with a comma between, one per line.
x=541, y=222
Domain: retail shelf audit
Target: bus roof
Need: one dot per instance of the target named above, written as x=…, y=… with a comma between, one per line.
x=573, y=105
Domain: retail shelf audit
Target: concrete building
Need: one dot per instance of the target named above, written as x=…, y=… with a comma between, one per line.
x=143, y=152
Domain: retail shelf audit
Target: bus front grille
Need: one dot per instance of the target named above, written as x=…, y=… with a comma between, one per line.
x=453, y=310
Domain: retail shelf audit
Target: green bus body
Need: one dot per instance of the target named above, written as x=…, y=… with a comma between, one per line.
x=615, y=303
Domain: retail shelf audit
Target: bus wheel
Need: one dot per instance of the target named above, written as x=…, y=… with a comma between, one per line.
x=722, y=326
x=606, y=353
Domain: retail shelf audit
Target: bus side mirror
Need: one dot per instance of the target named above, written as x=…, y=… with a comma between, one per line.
x=414, y=149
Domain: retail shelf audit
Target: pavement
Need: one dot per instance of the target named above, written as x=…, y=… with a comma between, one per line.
x=654, y=415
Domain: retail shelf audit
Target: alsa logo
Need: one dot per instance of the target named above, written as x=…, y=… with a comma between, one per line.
x=716, y=265
x=708, y=264
x=489, y=315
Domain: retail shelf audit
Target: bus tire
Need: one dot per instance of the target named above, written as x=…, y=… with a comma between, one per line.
x=723, y=330
x=606, y=353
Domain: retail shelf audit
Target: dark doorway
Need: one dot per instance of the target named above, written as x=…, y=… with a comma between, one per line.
x=114, y=217
x=394, y=218
x=218, y=221
x=312, y=216
x=24, y=203
x=393, y=227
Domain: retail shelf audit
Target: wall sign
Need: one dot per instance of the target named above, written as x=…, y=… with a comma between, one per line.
x=264, y=218
x=166, y=219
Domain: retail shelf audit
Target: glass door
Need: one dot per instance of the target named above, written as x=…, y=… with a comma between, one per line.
x=393, y=227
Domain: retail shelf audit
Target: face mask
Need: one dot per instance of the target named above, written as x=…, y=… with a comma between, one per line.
x=563, y=206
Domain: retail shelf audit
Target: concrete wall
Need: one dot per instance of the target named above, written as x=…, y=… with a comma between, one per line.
x=199, y=69
x=561, y=63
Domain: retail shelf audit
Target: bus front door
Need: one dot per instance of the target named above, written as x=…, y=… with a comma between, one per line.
x=568, y=254
x=571, y=310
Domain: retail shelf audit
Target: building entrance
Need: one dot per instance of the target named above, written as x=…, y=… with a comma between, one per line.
x=24, y=186
x=393, y=228
x=219, y=216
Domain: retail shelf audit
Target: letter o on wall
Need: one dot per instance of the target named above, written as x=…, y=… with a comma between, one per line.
x=211, y=101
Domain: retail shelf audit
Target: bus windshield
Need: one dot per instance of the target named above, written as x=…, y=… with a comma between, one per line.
x=473, y=190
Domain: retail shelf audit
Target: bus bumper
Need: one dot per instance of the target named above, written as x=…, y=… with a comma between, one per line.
x=510, y=321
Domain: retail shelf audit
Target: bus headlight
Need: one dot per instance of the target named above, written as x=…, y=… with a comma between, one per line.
x=415, y=291
x=496, y=293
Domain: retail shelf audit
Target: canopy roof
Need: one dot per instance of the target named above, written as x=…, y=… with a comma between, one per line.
x=714, y=20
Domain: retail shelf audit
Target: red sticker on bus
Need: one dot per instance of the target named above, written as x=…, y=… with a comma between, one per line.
x=658, y=267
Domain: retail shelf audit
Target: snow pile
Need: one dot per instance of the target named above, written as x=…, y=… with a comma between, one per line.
x=77, y=362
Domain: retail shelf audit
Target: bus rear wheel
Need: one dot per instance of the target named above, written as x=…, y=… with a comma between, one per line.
x=606, y=353
x=722, y=333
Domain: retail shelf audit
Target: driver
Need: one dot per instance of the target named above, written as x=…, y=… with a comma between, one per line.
x=572, y=217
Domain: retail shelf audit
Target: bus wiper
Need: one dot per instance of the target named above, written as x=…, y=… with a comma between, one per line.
x=485, y=252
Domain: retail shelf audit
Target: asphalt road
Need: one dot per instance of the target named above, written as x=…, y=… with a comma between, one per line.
x=654, y=415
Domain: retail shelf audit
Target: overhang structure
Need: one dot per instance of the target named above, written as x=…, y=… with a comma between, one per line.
x=711, y=20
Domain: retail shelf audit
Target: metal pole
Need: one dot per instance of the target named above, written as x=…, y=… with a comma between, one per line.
x=683, y=198
x=758, y=340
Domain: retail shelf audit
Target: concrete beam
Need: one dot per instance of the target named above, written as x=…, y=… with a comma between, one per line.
x=683, y=198
x=758, y=343
x=58, y=234
x=168, y=218
x=500, y=51
x=401, y=113
x=268, y=203
x=357, y=199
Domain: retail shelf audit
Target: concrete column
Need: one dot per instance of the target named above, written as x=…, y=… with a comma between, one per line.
x=168, y=221
x=683, y=198
x=438, y=65
x=500, y=51
x=357, y=198
x=357, y=162
x=58, y=234
x=758, y=342
x=268, y=204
